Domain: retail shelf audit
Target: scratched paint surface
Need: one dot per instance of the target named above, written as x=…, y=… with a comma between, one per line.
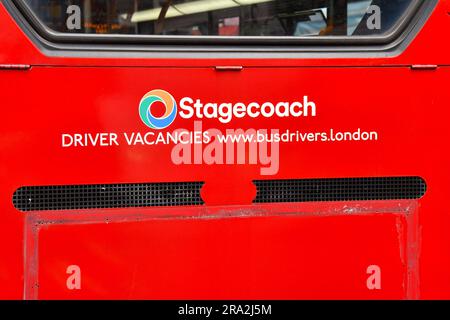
x=276, y=256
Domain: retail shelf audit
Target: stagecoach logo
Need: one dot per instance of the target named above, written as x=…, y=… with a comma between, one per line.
x=145, y=109
x=224, y=112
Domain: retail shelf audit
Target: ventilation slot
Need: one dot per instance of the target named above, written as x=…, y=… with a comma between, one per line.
x=341, y=189
x=130, y=195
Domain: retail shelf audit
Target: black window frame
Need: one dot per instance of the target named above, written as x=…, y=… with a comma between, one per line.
x=268, y=41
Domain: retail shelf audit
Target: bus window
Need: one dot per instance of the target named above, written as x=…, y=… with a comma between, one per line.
x=240, y=18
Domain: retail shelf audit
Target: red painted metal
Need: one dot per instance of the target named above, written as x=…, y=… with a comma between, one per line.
x=228, y=248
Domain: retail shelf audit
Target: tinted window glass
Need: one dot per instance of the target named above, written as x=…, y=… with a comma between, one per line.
x=294, y=18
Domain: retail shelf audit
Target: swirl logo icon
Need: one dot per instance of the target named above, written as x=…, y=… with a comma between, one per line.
x=145, y=109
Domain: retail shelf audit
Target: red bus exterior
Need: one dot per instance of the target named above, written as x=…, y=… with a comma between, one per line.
x=228, y=247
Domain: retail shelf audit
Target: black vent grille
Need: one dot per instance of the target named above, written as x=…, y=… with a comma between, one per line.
x=36, y=198
x=341, y=189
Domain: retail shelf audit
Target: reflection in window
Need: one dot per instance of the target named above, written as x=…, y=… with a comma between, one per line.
x=293, y=18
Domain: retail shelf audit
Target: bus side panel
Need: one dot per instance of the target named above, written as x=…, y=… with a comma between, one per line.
x=406, y=109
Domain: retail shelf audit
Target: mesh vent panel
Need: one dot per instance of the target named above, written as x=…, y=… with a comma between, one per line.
x=341, y=189
x=107, y=196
